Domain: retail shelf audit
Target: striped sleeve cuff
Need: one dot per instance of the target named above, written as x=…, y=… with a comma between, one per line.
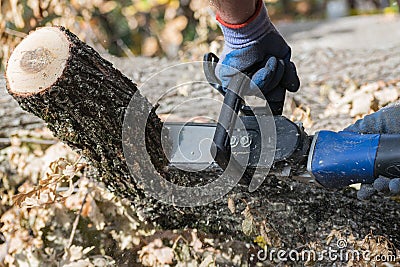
x=241, y=35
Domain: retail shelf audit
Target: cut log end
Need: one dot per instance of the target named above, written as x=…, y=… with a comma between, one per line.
x=38, y=61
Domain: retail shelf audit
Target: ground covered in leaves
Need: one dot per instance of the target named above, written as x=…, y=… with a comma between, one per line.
x=53, y=212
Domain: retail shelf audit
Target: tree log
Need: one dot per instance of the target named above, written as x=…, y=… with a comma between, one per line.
x=83, y=100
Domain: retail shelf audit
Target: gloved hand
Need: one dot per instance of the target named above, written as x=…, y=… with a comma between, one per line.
x=386, y=186
x=257, y=49
x=384, y=121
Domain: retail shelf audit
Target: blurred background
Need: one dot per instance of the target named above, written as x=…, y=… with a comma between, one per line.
x=171, y=28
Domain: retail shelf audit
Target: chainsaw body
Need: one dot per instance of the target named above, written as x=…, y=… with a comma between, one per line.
x=191, y=143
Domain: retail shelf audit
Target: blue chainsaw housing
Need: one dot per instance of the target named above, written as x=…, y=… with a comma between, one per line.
x=338, y=159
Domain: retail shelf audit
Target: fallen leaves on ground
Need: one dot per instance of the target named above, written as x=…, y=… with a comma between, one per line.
x=53, y=212
x=360, y=100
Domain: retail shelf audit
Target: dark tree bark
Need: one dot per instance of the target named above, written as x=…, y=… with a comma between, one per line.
x=85, y=107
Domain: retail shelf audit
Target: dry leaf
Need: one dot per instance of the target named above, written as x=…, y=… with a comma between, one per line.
x=270, y=236
x=302, y=114
x=248, y=224
x=95, y=215
x=231, y=205
x=196, y=244
x=155, y=253
x=386, y=96
x=74, y=253
x=361, y=104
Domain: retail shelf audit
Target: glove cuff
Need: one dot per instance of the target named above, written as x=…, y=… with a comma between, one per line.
x=242, y=35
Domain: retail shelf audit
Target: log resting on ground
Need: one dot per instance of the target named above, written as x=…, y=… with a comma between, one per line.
x=83, y=100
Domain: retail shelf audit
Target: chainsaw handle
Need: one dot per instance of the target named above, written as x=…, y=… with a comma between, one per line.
x=387, y=161
x=221, y=148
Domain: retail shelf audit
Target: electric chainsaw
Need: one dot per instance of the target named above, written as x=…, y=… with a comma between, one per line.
x=258, y=138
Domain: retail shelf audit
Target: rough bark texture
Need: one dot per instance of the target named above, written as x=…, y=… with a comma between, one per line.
x=85, y=108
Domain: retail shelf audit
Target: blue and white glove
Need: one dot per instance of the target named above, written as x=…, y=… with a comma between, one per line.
x=384, y=121
x=256, y=49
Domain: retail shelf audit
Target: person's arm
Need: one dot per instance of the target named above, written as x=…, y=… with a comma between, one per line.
x=254, y=46
x=235, y=11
